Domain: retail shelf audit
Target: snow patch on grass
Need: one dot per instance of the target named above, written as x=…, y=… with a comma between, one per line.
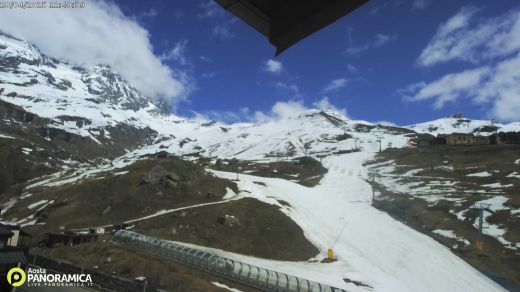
x=451, y=234
x=27, y=151
x=6, y=137
x=224, y=286
x=37, y=204
x=514, y=175
x=480, y=174
x=496, y=203
x=497, y=185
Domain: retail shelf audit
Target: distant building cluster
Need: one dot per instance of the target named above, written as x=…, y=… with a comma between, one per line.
x=469, y=139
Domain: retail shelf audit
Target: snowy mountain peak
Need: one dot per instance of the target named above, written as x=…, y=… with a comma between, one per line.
x=91, y=101
x=111, y=87
x=26, y=66
x=54, y=88
x=14, y=51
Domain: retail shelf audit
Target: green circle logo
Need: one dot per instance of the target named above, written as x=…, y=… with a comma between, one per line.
x=16, y=277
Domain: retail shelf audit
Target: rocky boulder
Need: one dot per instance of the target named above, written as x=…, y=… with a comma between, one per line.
x=154, y=176
x=229, y=221
x=173, y=176
x=159, y=176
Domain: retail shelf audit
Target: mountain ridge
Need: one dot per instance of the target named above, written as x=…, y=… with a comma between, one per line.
x=92, y=101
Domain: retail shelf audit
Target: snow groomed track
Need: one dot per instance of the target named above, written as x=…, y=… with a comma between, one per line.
x=372, y=248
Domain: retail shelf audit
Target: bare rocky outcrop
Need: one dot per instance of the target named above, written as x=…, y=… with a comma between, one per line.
x=159, y=176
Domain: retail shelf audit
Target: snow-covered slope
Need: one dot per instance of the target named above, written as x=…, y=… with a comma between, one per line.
x=314, y=133
x=372, y=248
x=462, y=125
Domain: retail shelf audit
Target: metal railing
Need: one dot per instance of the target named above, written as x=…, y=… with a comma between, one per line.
x=250, y=275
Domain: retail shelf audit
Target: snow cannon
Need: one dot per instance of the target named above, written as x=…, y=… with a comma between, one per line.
x=479, y=245
x=330, y=254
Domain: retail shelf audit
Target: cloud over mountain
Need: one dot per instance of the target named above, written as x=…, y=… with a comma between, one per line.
x=99, y=33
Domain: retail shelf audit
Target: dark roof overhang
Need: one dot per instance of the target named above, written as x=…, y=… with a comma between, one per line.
x=286, y=22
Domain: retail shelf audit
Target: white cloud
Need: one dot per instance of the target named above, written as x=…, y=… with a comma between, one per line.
x=351, y=69
x=293, y=108
x=150, y=13
x=222, y=31
x=464, y=39
x=496, y=88
x=385, y=123
x=289, y=88
x=503, y=90
x=221, y=28
x=100, y=33
x=280, y=110
x=177, y=53
x=495, y=41
x=323, y=103
x=382, y=39
x=273, y=66
x=386, y=4
x=335, y=85
x=288, y=109
x=221, y=116
x=420, y=4
x=397, y=4
x=378, y=40
x=449, y=88
x=209, y=9
x=458, y=21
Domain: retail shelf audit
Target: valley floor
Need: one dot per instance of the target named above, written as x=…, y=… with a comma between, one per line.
x=374, y=250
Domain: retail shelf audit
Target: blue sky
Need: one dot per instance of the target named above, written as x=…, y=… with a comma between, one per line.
x=369, y=56
x=402, y=61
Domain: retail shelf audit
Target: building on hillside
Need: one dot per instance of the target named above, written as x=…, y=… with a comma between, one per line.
x=5, y=236
x=439, y=140
x=68, y=238
x=506, y=138
x=467, y=139
x=460, y=139
x=458, y=116
x=13, y=251
x=482, y=140
x=424, y=142
x=427, y=140
x=13, y=236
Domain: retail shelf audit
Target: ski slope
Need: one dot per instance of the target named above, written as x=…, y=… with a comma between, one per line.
x=373, y=248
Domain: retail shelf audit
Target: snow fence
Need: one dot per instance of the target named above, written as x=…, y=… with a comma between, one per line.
x=250, y=275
